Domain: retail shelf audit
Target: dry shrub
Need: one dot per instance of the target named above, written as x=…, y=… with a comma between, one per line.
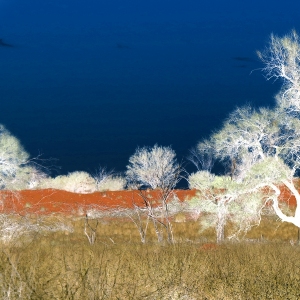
x=118, y=266
x=52, y=269
x=75, y=182
x=111, y=183
x=84, y=183
x=14, y=228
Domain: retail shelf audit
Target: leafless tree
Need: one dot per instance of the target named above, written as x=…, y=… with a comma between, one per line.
x=282, y=61
x=157, y=211
x=247, y=137
x=202, y=156
x=262, y=147
x=154, y=168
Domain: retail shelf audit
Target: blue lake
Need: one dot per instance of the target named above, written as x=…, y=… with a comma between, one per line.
x=88, y=83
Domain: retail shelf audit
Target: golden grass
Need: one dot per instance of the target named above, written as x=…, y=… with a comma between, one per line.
x=63, y=265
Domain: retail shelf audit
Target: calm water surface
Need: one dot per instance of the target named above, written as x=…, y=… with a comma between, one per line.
x=87, y=82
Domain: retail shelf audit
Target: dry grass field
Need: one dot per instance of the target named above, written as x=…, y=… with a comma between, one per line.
x=64, y=265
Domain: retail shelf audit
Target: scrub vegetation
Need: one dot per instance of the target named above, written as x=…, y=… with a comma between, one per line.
x=259, y=150
x=236, y=239
x=84, y=183
x=64, y=265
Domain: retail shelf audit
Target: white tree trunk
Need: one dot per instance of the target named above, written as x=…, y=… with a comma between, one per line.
x=291, y=219
x=222, y=211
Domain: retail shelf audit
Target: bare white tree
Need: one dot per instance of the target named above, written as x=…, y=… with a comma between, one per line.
x=261, y=147
x=202, y=156
x=247, y=137
x=158, y=212
x=221, y=200
x=154, y=167
x=282, y=61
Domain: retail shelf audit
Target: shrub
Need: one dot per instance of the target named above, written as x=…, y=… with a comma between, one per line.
x=17, y=171
x=75, y=182
x=27, y=177
x=14, y=227
x=108, y=181
x=111, y=183
x=200, y=180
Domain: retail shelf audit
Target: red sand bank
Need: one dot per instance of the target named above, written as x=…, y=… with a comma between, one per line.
x=57, y=201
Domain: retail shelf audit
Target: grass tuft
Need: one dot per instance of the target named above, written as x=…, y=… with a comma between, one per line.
x=57, y=265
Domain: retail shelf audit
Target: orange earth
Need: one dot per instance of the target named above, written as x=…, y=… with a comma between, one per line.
x=50, y=201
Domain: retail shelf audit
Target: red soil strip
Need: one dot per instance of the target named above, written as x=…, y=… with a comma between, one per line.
x=50, y=201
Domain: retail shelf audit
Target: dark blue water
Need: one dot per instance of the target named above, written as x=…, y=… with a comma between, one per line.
x=88, y=81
